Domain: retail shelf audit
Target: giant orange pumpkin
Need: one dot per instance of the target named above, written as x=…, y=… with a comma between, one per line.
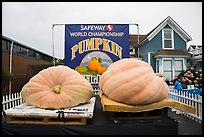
x=133, y=82
x=57, y=87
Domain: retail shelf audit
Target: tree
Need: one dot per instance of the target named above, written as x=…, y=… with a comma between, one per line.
x=6, y=78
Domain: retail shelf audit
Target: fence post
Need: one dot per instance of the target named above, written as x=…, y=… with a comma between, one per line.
x=4, y=107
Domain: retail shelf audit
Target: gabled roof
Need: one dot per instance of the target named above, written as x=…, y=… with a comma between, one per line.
x=168, y=21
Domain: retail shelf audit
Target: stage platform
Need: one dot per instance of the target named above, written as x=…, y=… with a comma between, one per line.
x=100, y=124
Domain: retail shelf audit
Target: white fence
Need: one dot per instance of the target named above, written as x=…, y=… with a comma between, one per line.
x=190, y=99
x=10, y=101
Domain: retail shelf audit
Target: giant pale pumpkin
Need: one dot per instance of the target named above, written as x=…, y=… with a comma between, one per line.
x=57, y=87
x=133, y=82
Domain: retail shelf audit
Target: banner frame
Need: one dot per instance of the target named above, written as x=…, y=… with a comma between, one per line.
x=61, y=24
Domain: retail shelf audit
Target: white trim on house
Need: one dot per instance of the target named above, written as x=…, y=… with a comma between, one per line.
x=174, y=27
x=172, y=39
x=170, y=56
x=172, y=69
x=158, y=65
x=149, y=57
x=180, y=31
x=173, y=59
x=184, y=64
x=161, y=68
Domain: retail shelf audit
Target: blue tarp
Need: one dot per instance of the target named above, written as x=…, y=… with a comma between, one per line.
x=193, y=91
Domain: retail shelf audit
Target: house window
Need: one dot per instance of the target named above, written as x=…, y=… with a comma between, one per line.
x=178, y=67
x=168, y=70
x=15, y=48
x=168, y=39
x=172, y=67
x=132, y=51
x=6, y=45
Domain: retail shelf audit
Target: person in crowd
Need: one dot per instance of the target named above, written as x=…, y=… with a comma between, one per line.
x=178, y=85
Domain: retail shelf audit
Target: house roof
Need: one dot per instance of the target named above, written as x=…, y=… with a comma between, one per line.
x=134, y=39
x=172, y=52
x=168, y=21
x=192, y=47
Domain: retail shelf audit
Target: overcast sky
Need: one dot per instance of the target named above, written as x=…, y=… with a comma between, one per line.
x=31, y=22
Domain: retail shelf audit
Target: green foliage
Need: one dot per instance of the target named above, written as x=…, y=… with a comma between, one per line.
x=100, y=60
x=6, y=76
x=86, y=71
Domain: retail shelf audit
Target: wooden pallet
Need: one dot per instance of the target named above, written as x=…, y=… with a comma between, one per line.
x=46, y=120
x=26, y=114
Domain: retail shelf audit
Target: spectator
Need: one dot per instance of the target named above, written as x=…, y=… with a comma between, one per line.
x=178, y=85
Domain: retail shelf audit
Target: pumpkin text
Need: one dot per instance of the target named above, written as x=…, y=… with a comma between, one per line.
x=96, y=44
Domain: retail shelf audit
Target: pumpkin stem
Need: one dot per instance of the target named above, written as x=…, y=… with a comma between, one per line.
x=56, y=89
x=100, y=60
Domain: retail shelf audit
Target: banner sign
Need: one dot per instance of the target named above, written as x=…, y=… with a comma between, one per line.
x=86, y=43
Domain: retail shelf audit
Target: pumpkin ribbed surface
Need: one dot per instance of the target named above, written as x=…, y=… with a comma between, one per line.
x=57, y=87
x=133, y=82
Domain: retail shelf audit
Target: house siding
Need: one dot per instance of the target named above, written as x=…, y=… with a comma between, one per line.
x=179, y=43
x=151, y=46
x=155, y=44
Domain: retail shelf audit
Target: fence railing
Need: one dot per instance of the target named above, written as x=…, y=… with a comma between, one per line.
x=10, y=101
x=190, y=99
